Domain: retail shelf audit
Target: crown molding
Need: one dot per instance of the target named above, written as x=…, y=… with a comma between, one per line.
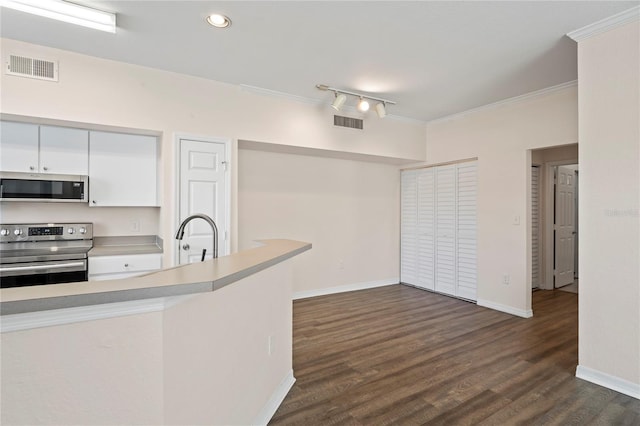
x=606, y=24
x=507, y=101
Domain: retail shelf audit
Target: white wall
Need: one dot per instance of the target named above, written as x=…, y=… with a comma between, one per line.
x=202, y=361
x=97, y=372
x=348, y=210
x=609, y=158
x=106, y=220
x=104, y=92
x=501, y=137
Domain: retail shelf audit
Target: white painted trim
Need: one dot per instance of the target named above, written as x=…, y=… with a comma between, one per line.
x=608, y=381
x=515, y=99
x=606, y=24
x=344, y=288
x=177, y=138
x=276, y=399
x=504, y=308
x=31, y=320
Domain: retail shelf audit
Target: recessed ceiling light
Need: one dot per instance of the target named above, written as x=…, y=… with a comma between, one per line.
x=218, y=21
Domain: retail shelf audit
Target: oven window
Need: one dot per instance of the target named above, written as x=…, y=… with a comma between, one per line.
x=41, y=279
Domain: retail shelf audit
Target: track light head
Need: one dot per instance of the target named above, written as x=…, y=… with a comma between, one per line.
x=363, y=105
x=381, y=110
x=338, y=101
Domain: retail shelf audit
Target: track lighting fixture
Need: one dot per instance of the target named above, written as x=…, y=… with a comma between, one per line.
x=363, y=104
x=338, y=101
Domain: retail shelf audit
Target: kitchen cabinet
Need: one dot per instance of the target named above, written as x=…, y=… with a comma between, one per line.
x=122, y=170
x=64, y=150
x=123, y=266
x=18, y=147
x=26, y=147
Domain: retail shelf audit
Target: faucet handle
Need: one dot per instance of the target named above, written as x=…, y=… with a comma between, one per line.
x=186, y=247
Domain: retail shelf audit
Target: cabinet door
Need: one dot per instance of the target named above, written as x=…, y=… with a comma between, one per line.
x=122, y=170
x=18, y=147
x=64, y=150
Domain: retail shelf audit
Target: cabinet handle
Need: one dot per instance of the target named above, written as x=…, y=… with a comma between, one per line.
x=94, y=202
x=45, y=168
x=185, y=247
x=126, y=265
x=31, y=168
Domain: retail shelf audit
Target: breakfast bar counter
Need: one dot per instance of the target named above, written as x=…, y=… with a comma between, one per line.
x=193, y=278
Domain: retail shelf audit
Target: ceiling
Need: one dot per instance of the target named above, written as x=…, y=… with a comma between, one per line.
x=433, y=58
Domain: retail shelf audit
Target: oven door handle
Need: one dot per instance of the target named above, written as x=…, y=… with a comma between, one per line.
x=40, y=267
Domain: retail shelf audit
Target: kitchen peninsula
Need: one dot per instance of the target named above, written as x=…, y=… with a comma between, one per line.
x=209, y=342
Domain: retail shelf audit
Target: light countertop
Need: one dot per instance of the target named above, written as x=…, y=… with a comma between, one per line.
x=210, y=275
x=115, y=246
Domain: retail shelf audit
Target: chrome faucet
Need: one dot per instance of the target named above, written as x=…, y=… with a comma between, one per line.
x=210, y=221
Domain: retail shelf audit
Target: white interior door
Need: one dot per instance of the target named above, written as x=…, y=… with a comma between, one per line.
x=445, y=258
x=564, y=226
x=409, y=228
x=426, y=229
x=203, y=189
x=466, y=217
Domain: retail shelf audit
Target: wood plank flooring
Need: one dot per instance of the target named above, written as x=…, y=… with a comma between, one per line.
x=402, y=356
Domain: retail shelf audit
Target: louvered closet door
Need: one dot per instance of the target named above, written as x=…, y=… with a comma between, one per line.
x=535, y=227
x=409, y=228
x=466, y=231
x=426, y=228
x=445, y=256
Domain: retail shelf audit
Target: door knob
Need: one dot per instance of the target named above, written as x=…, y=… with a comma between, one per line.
x=185, y=247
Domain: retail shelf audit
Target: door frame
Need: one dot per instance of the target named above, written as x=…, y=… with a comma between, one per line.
x=177, y=138
x=549, y=206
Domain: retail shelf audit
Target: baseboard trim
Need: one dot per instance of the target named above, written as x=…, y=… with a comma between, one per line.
x=270, y=408
x=344, y=288
x=504, y=308
x=608, y=381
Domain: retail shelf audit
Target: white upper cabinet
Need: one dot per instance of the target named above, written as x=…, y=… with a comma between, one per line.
x=64, y=150
x=122, y=170
x=18, y=147
x=26, y=147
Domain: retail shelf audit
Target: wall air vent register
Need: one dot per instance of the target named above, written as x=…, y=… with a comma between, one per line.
x=40, y=69
x=353, y=123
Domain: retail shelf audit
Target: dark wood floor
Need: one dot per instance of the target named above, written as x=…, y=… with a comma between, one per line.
x=399, y=355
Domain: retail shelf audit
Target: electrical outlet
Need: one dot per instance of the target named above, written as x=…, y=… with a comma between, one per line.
x=135, y=225
x=505, y=279
x=340, y=264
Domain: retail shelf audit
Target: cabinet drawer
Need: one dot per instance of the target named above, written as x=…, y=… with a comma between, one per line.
x=125, y=263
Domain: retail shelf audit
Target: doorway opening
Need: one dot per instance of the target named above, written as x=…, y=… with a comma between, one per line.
x=554, y=218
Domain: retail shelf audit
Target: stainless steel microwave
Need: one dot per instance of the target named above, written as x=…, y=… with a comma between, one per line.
x=16, y=186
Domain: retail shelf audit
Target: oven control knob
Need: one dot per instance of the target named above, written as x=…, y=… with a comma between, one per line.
x=82, y=230
x=17, y=232
x=71, y=230
x=4, y=232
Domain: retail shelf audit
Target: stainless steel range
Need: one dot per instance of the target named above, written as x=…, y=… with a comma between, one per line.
x=44, y=253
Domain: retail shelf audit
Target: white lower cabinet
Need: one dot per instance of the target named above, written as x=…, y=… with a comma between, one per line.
x=123, y=266
x=438, y=229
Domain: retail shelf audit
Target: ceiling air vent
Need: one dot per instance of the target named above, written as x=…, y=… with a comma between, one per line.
x=353, y=123
x=32, y=68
